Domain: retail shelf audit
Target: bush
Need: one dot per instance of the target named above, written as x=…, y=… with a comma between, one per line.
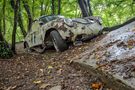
x=5, y=51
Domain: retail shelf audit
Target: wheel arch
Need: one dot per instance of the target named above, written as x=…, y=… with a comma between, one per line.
x=47, y=34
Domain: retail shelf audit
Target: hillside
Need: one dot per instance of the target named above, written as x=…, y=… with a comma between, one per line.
x=102, y=63
x=33, y=71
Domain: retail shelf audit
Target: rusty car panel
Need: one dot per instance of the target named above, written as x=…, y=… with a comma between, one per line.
x=67, y=28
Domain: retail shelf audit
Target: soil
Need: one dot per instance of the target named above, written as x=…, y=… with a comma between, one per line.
x=33, y=71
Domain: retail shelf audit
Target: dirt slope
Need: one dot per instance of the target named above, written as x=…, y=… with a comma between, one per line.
x=114, y=58
x=43, y=71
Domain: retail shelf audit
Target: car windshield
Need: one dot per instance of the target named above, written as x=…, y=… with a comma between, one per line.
x=46, y=19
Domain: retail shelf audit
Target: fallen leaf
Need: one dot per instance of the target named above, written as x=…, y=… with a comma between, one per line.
x=37, y=81
x=97, y=85
x=50, y=67
x=56, y=88
x=11, y=88
x=43, y=86
x=59, y=71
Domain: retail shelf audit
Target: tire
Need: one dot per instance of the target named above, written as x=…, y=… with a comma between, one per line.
x=59, y=44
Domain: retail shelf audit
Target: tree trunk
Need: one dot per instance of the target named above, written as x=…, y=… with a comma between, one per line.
x=1, y=36
x=59, y=7
x=20, y=21
x=16, y=6
x=26, y=6
x=89, y=8
x=120, y=25
x=85, y=7
x=4, y=17
x=53, y=8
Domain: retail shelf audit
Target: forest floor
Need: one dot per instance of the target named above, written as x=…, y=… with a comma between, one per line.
x=32, y=71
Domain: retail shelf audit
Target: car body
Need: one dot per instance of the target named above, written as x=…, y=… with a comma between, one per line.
x=68, y=29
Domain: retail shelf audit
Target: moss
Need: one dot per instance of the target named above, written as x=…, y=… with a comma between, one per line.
x=5, y=51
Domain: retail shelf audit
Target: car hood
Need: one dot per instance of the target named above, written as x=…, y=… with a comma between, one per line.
x=87, y=20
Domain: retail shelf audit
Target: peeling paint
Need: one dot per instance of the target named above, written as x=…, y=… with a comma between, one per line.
x=63, y=26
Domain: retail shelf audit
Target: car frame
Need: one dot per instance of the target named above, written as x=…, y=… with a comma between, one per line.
x=58, y=30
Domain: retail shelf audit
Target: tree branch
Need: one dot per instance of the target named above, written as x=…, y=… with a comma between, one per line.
x=120, y=25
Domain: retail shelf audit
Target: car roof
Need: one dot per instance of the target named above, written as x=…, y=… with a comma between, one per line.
x=44, y=16
x=49, y=15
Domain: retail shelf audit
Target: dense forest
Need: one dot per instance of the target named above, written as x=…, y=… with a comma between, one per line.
x=62, y=45
x=18, y=15
x=112, y=12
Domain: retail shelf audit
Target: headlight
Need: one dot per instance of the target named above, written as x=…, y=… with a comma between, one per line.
x=69, y=22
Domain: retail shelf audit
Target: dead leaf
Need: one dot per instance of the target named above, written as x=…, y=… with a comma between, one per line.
x=97, y=85
x=50, y=67
x=11, y=88
x=37, y=81
x=43, y=86
x=59, y=71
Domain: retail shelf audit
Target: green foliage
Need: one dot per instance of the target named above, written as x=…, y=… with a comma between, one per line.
x=111, y=11
x=5, y=51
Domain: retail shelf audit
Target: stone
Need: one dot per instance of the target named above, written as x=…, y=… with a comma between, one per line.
x=56, y=88
x=113, y=58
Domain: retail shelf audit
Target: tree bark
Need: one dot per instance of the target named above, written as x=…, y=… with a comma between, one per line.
x=120, y=25
x=20, y=21
x=53, y=7
x=27, y=9
x=59, y=7
x=4, y=17
x=85, y=7
x=89, y=8
x=16, y=6
x=1, y=36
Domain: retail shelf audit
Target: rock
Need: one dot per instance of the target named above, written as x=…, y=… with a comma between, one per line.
x=43, y=86
x=113, y=58
x=56, y=88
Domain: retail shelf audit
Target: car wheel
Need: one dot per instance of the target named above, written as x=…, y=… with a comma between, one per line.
x=59, y=44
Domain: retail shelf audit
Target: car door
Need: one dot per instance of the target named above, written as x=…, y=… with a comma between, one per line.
x=35, y=34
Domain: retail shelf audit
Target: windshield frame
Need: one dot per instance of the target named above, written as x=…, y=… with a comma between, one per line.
x=48, y=18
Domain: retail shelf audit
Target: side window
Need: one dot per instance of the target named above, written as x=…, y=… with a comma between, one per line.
x=50, y=18
x=44, y=19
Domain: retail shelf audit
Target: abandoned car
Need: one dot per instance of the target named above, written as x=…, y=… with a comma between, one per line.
x=58, y=30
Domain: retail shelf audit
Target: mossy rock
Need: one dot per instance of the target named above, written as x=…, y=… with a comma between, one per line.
x=5, y=51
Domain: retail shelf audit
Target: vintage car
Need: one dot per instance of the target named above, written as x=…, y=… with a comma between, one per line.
x=58, y=30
